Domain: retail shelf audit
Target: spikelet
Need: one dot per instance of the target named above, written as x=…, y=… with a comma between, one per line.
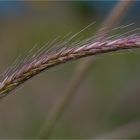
x=66, y=51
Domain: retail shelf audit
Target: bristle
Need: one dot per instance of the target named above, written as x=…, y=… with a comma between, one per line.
x=62, y=52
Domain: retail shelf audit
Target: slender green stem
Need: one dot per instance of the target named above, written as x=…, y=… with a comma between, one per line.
x=113, y=18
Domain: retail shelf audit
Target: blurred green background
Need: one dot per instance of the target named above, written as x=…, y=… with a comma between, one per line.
x=107, y=101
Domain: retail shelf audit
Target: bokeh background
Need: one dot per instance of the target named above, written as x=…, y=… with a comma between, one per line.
x=106, y=104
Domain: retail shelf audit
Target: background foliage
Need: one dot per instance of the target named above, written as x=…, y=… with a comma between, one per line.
x=107, y=100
